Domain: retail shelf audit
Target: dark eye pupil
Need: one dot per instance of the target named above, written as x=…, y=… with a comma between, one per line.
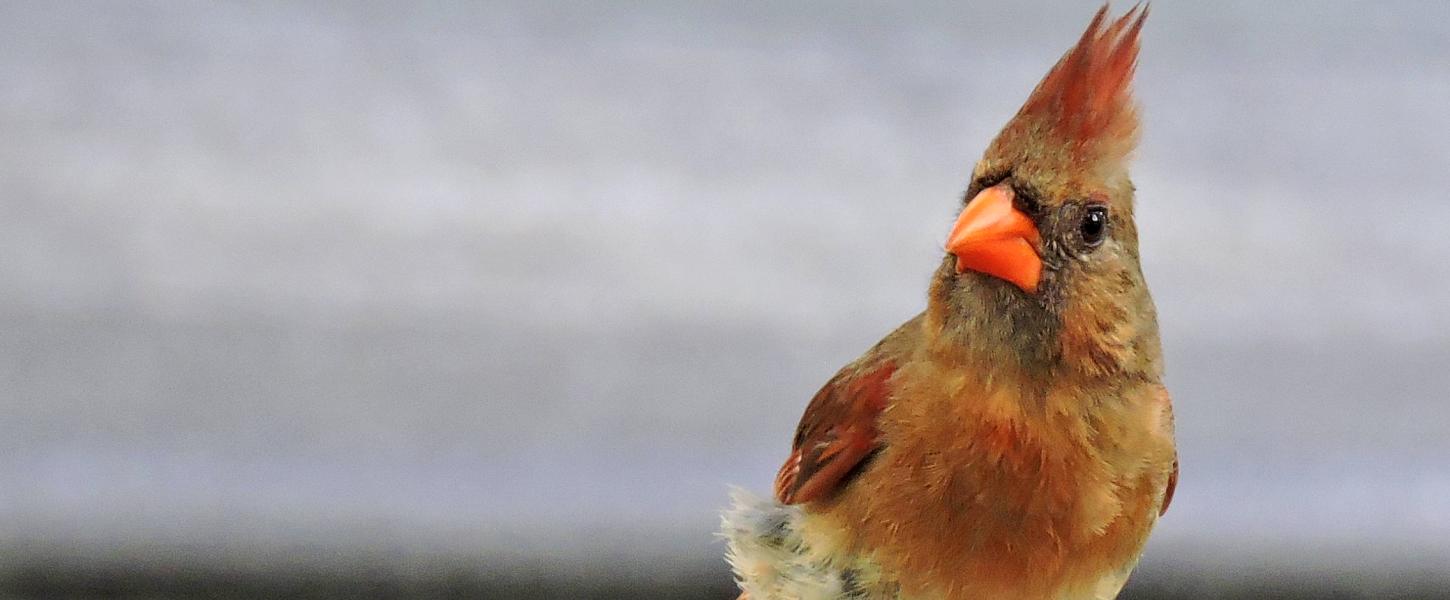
x=1094, y=224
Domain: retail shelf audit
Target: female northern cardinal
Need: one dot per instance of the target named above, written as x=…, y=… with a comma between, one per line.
x=1015, y=439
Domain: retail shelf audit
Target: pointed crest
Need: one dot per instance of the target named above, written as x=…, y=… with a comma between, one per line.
x=1085, y=101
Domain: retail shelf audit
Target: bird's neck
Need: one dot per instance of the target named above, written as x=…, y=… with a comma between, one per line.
x=990, y=325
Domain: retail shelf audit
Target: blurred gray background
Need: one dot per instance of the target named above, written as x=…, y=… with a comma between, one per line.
x=498, y=299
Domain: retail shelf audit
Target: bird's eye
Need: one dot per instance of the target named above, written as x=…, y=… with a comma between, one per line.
x=1094, y=225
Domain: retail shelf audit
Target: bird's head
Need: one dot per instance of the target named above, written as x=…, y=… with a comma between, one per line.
x=1043, y=259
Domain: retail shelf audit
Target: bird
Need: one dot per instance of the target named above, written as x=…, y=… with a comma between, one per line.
x=1015, y=439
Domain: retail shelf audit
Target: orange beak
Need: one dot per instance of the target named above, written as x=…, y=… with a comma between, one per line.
x=995, y=238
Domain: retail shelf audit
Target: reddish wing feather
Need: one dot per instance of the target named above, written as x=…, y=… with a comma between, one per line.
x=1168, y=492
x=837, y=433
x=1172, y=484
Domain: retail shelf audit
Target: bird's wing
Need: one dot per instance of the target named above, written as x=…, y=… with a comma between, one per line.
x=1168, y=491
x=837, y=433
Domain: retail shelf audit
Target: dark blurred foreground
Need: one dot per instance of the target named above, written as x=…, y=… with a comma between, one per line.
x=50, y=577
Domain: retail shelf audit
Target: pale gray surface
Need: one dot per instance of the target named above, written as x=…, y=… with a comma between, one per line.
x=539, y=281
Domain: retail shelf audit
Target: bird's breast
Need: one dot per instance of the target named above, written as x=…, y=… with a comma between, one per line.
x=981, y=490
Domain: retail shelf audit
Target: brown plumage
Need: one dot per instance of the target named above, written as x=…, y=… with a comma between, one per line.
x=1015, y=439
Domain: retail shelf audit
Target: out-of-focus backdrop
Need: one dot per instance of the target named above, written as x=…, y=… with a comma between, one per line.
x=376, y=299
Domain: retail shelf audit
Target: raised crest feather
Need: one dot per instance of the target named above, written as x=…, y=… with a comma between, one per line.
x=1085, y=102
